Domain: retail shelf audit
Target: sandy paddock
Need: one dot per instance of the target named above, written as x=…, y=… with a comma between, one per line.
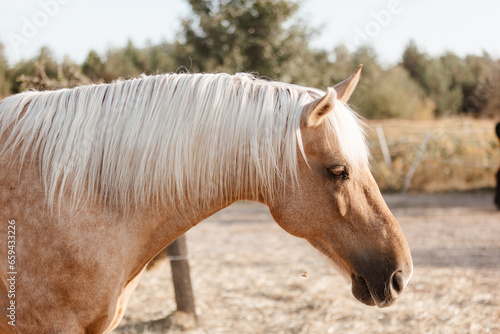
x=250, y=276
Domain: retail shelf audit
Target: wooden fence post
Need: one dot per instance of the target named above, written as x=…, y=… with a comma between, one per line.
x=178, y=255
x=383, y=145
x=415, y=163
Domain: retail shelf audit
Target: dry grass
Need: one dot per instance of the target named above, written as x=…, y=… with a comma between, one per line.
x=462, y=154
x=248, y=275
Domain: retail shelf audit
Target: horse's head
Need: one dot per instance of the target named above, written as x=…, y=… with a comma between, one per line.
x=338, y=208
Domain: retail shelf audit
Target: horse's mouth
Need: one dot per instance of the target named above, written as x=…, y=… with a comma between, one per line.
x=361, y=291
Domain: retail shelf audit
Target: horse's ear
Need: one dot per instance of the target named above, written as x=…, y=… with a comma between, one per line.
x=346, y=88
x=322, y=107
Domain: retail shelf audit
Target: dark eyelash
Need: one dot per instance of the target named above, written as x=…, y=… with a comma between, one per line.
x=343, y=176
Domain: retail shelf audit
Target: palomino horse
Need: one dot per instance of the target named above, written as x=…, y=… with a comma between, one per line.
x=96, y=180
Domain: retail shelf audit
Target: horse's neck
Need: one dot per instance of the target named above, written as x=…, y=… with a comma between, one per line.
x=160, y=228
x=169, y=223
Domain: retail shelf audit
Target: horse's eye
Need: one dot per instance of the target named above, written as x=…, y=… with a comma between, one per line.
x=338, y=172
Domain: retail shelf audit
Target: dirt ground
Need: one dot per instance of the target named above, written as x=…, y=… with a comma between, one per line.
x=248, y=275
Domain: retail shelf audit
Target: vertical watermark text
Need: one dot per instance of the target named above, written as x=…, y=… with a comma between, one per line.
x=11, y=272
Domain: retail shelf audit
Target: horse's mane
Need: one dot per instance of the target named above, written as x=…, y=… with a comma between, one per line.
x=167, y=138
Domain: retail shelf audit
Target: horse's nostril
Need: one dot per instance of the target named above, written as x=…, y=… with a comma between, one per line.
x=397, y=281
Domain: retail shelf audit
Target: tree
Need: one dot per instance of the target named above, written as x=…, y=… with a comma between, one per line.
x=159, y=58
x=483, y=99
x=414, y=61
x=439, y=77
x=44, y=73
x=32, y=69
x=439, y=85
x=247, y=35
x=392, y=94
x=126, y=62
x=93, y=67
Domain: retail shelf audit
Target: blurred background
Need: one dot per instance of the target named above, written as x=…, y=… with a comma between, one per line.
x=430, y=93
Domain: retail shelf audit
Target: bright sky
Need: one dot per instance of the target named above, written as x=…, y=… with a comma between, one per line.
x=73, y=27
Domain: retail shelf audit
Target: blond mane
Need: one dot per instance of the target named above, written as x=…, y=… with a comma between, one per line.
x=168, y=138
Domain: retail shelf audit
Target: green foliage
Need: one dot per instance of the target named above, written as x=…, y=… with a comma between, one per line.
x=414, y=61
x=455, y=84
x=439, y=77
x=436, y=79
x=129, y=61
x=44, y=72
x=93, y=67
x=36, y=69
x=482, y=92
x=392, y=94
x=381, y=93
x=248, y=36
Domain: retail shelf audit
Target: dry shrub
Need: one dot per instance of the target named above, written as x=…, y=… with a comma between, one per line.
x=461, y=154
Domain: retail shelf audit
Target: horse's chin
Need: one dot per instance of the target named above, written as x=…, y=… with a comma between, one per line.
x=361, y=291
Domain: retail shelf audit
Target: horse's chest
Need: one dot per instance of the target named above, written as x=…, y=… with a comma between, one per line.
x=122, y=301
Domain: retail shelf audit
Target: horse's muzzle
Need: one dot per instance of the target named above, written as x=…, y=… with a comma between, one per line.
x=382, y=293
